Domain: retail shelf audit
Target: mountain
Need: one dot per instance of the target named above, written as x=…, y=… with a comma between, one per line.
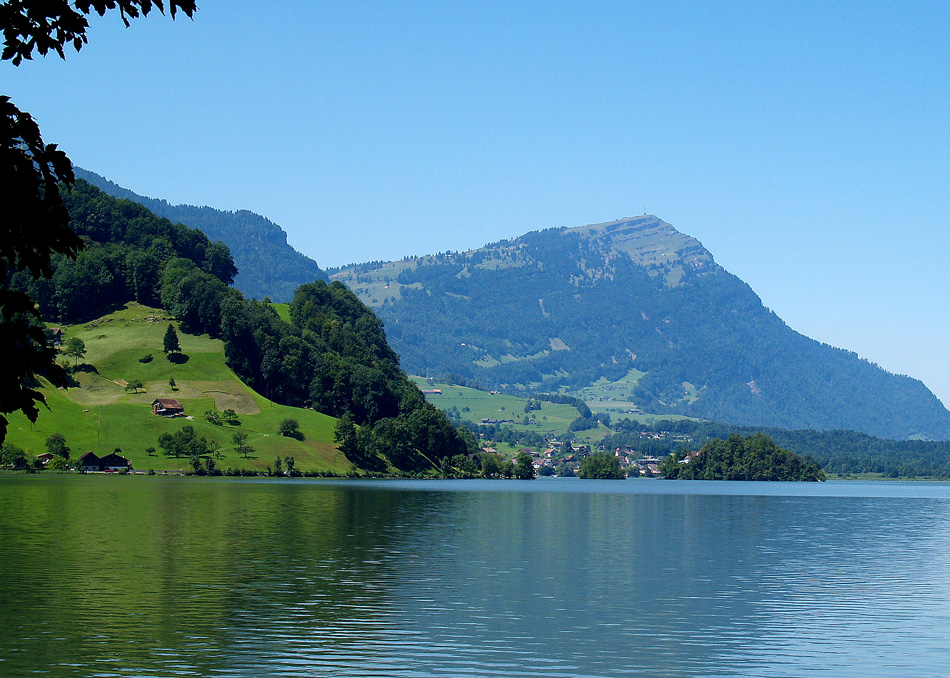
x=268, y=266
x=632, y=304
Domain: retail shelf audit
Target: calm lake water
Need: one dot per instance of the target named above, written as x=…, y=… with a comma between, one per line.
x=122, y=576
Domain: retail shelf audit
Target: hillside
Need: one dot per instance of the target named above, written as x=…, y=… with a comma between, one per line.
x=98, y=414
x=268, y=266
x=330, y=355
x=643, y=312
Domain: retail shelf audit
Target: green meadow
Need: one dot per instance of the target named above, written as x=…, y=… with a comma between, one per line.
x=283, y=311
x=476, y=405
x=551, y=420
x=98, y=414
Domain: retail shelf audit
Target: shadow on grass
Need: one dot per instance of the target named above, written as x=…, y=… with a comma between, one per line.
x=373, y=464
x=178, y=358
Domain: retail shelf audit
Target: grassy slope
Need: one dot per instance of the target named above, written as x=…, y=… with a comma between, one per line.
x=99, y=415
x=283, y=311
x=552, y=420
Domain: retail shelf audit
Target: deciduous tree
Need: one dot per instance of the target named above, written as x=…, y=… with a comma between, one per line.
x=56, y=444
x=75, y=348
x=524, y=467
x=290, y=428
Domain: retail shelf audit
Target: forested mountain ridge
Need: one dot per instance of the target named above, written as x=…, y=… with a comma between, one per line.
x=267, y=265
x=632, y=300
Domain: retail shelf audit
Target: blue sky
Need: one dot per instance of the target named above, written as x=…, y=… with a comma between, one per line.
x=805, y=145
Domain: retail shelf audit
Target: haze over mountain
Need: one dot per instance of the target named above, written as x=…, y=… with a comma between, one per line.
x=636, y=302
x=267, y=265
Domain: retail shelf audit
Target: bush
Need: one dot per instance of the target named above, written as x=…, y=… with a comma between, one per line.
x=524, y=467
x=147, y=358
x=57, y=464
x=290, y=428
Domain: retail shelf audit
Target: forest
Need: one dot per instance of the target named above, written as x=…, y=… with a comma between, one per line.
x=267, y=265
x=334, y=355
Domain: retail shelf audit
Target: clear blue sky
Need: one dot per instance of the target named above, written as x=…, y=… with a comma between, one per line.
x=804, y=144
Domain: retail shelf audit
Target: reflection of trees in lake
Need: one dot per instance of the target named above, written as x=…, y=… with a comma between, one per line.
x=124, y=571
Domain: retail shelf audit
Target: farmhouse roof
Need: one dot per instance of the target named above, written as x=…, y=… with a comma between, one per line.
x=168, y=403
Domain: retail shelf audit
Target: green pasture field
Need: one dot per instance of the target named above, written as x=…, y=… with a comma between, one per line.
x=551, y=418
x=615, y=398
x=603, y=391
x=98, y=414
x=621, y=410
x=373, y=287
x=283, y=311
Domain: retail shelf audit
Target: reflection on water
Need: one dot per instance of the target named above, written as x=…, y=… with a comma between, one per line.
x=169, y=577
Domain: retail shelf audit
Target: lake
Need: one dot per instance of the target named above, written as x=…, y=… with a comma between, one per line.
x=146, y=576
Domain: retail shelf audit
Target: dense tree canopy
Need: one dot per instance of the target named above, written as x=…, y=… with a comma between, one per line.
x=838, y=451
x=128, y=255
x=268, y=266
x=756, y=457
x=601, y=467
x=333, y=356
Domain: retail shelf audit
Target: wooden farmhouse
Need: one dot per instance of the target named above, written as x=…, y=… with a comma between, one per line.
x=167, y=407
x=110, y=462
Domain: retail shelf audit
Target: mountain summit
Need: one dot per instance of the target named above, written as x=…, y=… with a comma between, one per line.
x=637, y=306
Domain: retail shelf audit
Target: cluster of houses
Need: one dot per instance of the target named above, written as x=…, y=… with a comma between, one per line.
x=112, y=462
x=109, y=463
x=90, y=461
x=648, y=465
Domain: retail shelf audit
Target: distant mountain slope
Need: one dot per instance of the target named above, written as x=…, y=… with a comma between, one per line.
x=267, y=265
x=638, y=301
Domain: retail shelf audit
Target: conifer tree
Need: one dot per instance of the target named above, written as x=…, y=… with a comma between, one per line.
x=170, y=342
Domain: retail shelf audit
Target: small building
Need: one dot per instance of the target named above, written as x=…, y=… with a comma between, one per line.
x=89, y=461
x=44, y=458
x=54, y=335
x=167, y=407
x=110, y=462
x=114, y=462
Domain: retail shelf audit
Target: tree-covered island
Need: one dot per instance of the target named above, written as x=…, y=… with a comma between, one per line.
x=755, y=457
